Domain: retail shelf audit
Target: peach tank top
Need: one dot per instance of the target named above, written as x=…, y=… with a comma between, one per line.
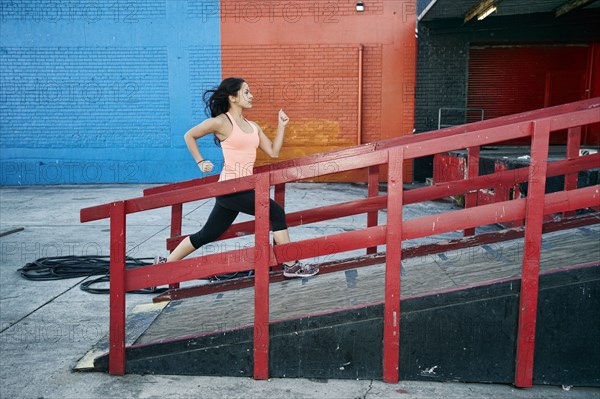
x=239, y=151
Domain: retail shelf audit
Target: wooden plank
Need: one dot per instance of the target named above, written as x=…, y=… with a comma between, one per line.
x=170, y=198
x=304, y=217
x=176, y=221
x=505, y=178
x=534, y=218
x=236, y=261
x=491, y=135
x=327, y=245
x=393, y=242
x=117, y=289
x=470, y=139
x=472, y=172
x=192, y=268
x=572, y=119
x=211, y=190
x=280, y=194
x=95, y=213
x=294, y=162
x=322, y=168
x=372, y=191
x=181, y=185
x=261, y=287
x=467, y=266
x=573, y=146
x=499, y=212
x=421, y=275
x=456, y=245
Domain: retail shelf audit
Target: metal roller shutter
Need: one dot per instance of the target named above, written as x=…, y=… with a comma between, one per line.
x=504, y=80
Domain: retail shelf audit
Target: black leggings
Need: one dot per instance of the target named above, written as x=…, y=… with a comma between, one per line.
x=226, y=209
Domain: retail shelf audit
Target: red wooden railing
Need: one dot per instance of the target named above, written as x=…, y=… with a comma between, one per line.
x=536, y=125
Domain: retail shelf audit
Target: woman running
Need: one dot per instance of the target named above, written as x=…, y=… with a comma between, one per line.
x=239, y=138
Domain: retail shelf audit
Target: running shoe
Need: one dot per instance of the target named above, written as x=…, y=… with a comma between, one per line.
x=299, y=269
x=160, y=259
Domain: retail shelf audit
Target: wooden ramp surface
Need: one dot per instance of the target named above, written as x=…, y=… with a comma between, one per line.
x=423, y=275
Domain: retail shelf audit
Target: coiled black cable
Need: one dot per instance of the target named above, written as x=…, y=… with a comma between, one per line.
x=65, y=267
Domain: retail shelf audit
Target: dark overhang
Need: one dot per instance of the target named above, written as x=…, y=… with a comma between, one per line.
x=469, y=11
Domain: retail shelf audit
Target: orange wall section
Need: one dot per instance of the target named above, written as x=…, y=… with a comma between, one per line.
x=303, y=56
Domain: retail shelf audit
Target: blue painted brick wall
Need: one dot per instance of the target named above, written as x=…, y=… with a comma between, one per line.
x=102, y=92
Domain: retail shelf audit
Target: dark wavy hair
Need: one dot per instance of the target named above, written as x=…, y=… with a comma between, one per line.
x=217, y=100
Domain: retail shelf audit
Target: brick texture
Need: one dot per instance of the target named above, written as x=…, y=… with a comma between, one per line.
x=91, y=11
x=101, y=91
x=202, y=69
x=251, y=11
x=66, y=97
x=317, y=85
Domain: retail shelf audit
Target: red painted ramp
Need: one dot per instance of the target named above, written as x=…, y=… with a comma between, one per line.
x=290, y=300
x=456, y=325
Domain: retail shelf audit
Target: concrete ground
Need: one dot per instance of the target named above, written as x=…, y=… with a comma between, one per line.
x=47, y=326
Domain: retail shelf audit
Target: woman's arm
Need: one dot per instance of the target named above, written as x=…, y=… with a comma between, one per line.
x=208, y=126
x=272, y=148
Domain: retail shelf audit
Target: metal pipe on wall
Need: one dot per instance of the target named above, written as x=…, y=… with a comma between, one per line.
x=360, y=88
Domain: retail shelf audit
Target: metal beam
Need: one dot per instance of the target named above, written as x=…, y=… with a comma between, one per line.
x=478, y=9
x=570, y=6
x=426, y=10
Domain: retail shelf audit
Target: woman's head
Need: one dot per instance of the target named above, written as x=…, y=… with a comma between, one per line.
x=231, y=90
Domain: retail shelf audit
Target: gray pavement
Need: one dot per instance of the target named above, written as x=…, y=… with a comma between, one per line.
x=47, y=326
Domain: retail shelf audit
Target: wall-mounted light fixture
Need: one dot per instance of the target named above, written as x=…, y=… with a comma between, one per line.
x=360, y=6
x=486, y=12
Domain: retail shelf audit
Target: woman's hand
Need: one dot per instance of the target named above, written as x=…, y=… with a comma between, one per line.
x=205, y=166
x=283, y=118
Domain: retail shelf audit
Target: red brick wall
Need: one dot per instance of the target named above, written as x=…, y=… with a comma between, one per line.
x=304, y=57
x=317, y=86
x=327, y=11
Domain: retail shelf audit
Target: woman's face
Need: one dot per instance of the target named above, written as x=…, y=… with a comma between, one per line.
x=244, y=97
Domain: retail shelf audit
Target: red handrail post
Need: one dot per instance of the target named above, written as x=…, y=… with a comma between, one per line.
x=573, y=146
x=472, y=172
x=373, y=191
x=176, y=221
x=280, y=194
x=116, y=363
x=534, y=217
x=261, y=277
x=391, y=317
